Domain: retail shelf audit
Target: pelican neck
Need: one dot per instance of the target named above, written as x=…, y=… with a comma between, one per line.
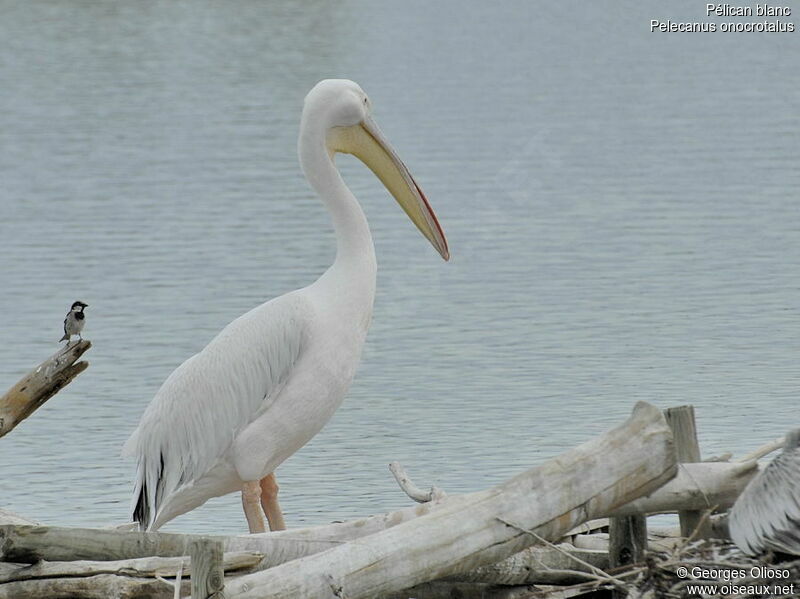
x=353, y=238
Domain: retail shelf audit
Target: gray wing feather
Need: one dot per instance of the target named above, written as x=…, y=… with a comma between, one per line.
x=766, y=516
x=66, y=335
x=210, y=398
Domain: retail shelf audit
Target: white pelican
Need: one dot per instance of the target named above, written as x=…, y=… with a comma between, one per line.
x=227, y=417
x=766, y=515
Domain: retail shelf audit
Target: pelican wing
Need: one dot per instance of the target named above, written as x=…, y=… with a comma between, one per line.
x=766, y=516
x=207, y=401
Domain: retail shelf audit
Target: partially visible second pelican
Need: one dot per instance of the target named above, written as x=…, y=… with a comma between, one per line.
x=227, y=417
x=766, y=515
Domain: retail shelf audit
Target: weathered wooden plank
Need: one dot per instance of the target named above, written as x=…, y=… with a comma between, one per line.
x=7, y=570
x=542, y=565
x=29, y=544
x=41, y=384
x=684, y=432
x=142, y=567
x=208, y=576
x=627, y=544
x=101, y=586
x=628, y=540
x=482, y=528
x=563, y=564
x=467, y=590
x=694, y=487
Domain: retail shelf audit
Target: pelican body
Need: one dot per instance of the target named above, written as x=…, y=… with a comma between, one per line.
x=766, y=515
x=227, y=417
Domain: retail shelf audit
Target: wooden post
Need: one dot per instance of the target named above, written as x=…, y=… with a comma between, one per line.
x=627, y=540
x=687, y=450
x=627, y=544
x=208, y=576
x=40, y=384
x=627, y=536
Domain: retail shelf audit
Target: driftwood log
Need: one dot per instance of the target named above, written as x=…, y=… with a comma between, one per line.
x=697, y=486
x=125, y=578
x=101, y=586
x=454, y=536
x=700, y=486
x=412, y=490
x=535, y=565
x=39, y=385
x=482, y=528
x=27, y=544
x=141, y=567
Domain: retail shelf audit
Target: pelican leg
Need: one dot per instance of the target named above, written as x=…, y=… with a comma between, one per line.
x=251, y=495
x=269, y=502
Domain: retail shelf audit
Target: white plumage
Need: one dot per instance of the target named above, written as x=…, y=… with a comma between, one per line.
x=766, y=516
x=229, y=415
x=191, y=423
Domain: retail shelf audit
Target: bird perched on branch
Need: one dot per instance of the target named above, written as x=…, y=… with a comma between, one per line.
x=73, y=323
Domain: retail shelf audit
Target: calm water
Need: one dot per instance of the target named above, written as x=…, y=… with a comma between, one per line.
x=622, y=210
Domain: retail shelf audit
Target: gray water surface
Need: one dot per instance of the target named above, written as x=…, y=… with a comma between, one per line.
x=621, y=206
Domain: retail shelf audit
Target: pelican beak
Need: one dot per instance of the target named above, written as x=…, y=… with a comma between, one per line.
x=366, y=142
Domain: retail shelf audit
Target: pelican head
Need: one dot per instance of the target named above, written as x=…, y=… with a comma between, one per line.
x=345, y=112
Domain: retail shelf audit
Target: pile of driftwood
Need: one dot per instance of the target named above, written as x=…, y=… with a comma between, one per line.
x=535, y=535
x=711, y=568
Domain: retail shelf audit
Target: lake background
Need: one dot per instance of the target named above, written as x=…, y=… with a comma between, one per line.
x=622, y=207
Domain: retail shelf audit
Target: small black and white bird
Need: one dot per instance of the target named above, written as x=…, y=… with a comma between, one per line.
x=73, y=323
